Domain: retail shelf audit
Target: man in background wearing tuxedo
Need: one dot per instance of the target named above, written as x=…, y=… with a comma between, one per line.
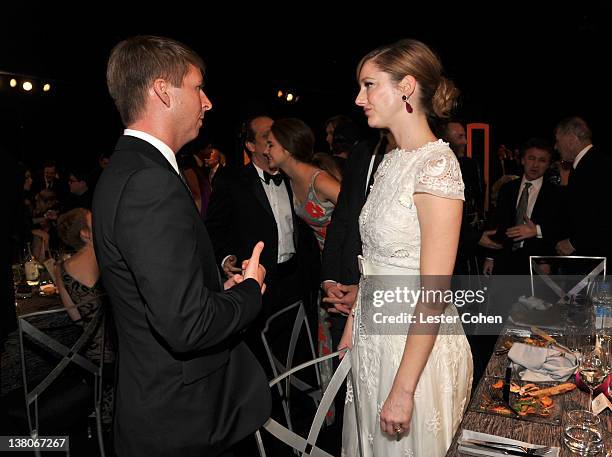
x=255, y=203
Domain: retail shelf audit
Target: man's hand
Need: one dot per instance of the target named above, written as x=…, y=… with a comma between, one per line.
x=341, y=296
x=252, y=268
x=486, y=242
x=231, y=282
x=229, y=266
x=564, y=247
x=523, y=231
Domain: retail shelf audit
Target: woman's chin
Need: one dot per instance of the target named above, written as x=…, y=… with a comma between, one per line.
x=372, y=122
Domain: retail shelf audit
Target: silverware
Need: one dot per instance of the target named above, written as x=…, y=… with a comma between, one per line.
x=534, y=451
x=506, y=387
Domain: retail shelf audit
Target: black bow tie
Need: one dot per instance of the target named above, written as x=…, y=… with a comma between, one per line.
x=277, y=178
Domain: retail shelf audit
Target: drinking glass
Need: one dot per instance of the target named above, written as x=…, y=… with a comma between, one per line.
x=582, y=432
x=580, y=329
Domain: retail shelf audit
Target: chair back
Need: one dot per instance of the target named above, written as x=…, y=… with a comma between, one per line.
x=534, y=268
x=276, y=335
x=68, y=354
x=308, y=446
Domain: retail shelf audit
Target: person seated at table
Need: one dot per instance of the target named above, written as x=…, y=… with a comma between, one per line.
x=529, y=212
x=77, y=278
x=78, y=283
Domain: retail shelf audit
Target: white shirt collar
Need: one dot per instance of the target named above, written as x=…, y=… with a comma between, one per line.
x=535, y=184
x=580, y=155
x=157, y=143
x=260, y=172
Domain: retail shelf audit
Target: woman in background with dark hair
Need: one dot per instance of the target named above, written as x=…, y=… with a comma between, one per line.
x=315, y=192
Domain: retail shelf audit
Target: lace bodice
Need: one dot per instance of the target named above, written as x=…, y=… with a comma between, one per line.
x=388, y=223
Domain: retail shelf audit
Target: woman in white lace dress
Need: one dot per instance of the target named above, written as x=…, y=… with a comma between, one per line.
x=413, y=381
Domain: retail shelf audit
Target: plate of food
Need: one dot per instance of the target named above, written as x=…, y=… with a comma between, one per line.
x=541, y=402
x=48, y=289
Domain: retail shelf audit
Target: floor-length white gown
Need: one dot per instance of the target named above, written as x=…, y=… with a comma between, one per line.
x=391, y=250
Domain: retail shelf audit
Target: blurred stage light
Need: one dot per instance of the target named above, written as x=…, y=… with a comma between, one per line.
x=13, y=82
x=289, y=97
x=27, y=86
x=47, y=87
x=279, y=94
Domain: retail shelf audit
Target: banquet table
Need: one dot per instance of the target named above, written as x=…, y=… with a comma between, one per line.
x=519, y=429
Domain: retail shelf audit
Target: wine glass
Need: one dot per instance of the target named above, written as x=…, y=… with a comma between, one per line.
x=592, y=372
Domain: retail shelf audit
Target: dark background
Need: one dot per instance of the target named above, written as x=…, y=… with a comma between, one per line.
x=520, y=69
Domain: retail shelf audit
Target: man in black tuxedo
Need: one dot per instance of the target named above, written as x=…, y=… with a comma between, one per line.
x=255, y=203
x=587, y=231
x=49, y=178
x=529, y=212
x=187, y=385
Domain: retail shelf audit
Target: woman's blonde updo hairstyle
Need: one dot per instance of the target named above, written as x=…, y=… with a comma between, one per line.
x=438, y=94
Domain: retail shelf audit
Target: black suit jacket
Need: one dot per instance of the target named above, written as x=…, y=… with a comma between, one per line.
x=343, y=241
x=239, y=215
x=589, y=195
x=547, y=213
x=186, y=384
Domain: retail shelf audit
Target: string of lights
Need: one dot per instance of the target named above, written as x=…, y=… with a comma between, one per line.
x=26, y=83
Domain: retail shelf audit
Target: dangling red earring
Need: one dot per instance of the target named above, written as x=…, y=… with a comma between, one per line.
x=408, y=105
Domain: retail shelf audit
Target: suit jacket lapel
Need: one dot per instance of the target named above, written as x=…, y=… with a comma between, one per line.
x=257, y=188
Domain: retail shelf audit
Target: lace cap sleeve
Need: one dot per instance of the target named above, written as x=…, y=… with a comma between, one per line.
x=440, y=175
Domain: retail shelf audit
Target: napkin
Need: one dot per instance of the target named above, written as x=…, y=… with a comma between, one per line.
x=534, y=303
x=538, y=364
x=469, y=449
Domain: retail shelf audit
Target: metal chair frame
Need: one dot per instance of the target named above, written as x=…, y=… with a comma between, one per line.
x=533, y=266
x=307, y=446
x=301, y=322
x=69, y=355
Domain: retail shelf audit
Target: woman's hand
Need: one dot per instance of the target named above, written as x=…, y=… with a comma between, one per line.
x=396, y=413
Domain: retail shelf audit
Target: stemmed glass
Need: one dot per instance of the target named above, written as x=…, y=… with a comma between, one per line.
x=593, y=372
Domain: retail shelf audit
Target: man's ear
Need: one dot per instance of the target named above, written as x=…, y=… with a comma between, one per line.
x=160, y=87
x=250, y=146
